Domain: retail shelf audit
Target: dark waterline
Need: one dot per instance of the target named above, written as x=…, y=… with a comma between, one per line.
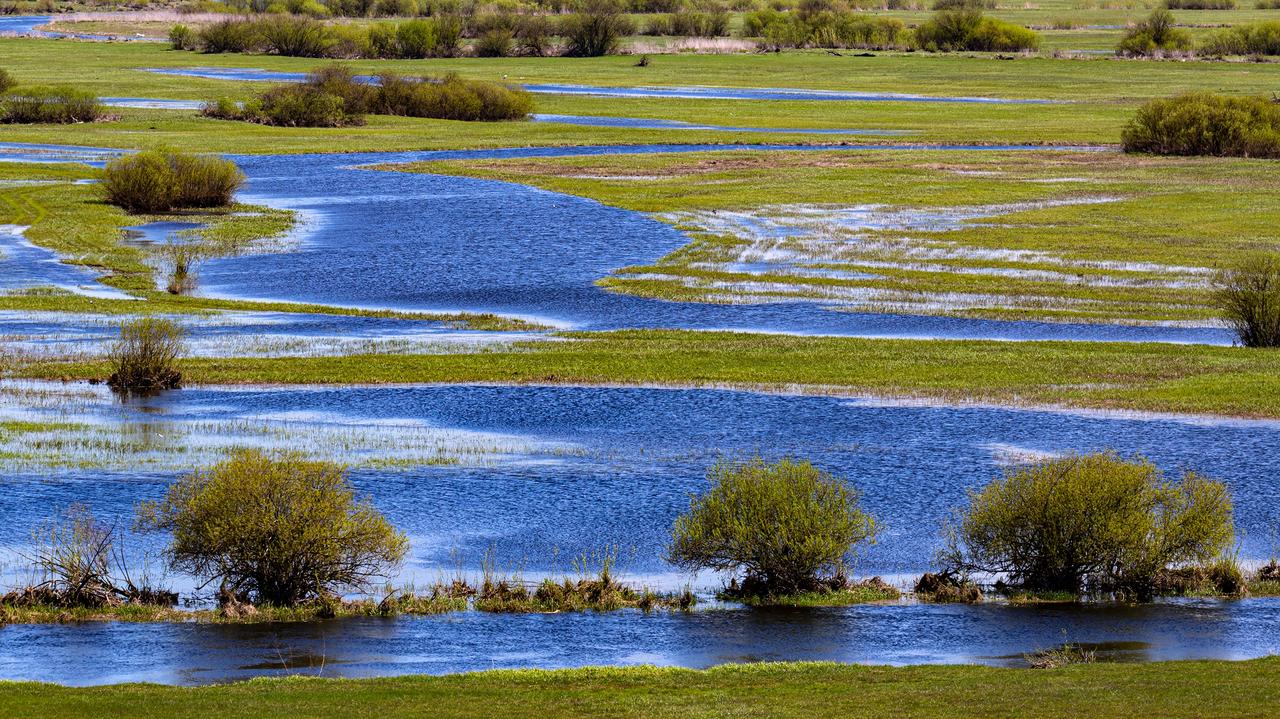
x=99, y=653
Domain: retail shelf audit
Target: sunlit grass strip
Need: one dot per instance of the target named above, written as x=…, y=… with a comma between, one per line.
x=802, y=690
x=1104, y=375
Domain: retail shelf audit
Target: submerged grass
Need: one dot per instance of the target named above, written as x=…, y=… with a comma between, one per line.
x=1092, y=237
x=1199, y=689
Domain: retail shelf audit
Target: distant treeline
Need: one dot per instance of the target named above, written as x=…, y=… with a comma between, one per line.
x=598, y=29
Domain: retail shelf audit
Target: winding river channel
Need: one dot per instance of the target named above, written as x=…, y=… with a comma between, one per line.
x=542, y=473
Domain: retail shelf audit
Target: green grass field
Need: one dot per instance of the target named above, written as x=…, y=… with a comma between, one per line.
x=1150, y=377
x=1177, y=689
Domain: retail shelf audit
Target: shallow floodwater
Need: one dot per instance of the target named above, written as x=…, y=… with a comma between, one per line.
x=581, y=468
x=480, y=245
x=27, y=24
x=471, y=641
x=24, y=266
x=409, y=241
x=545, y=473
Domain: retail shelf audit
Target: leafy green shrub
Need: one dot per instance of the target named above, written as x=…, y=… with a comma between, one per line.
x=969, y=29
x=533, y=35
x=301, y=106
x=182, y=37
x=1248, y=296
x=689, y=23
x=1154, y=36
x=230, y=36
x=845, y=30
x=494, y=43
x=295, y=36
x=787, y=526
x=1204, y=124
x=596, y=29
x=159, y=181
x=53, y=105
x=145, y=358
x=1200, y=4
x=357, y=97
x=276, y=530
x=1092, y=523
x=1262, y=38
x=415, y=39
x=6, y=81
x=451, y=98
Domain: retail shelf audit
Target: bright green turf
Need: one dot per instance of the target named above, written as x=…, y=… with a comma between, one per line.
x=1100, y=691
x=1154, y=377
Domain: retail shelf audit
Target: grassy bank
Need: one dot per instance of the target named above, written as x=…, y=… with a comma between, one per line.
x=72, y=220
x=1173, y=689
x=1150, y=377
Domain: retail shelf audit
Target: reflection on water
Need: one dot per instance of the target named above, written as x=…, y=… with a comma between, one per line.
x=547, y=473
x=472, y=641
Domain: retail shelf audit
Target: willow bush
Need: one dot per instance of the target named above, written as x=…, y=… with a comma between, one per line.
x=1205, y=124
x=787, y=527
x=1248, y=296
x=54, y=105
x=967, y=28
x=277, y=530
x=1090, y=523
x=161, y=180
x=1155, y=35
x=145, y=357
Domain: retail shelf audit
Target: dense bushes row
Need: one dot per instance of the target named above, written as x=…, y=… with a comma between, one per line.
x=334, y=97
x=1261, y=38
x=58, y=104
x=159, y=181
x=1205, y=124
x=597, y=30
x=1200, y=4
x=690, y=23
x=1094, y=524
x=1157, y=36
x=950, y=29
x=284, y=530
x=779, y=30
x=969, y=29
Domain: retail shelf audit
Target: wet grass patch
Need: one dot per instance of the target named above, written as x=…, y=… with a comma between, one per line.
x=1103, y=375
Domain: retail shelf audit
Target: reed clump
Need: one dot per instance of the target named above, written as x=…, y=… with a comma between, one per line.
x=145, y=357
x=163, y=181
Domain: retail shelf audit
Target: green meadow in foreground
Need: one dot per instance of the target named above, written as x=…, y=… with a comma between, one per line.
x=801, y=690
x=1148, y=377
